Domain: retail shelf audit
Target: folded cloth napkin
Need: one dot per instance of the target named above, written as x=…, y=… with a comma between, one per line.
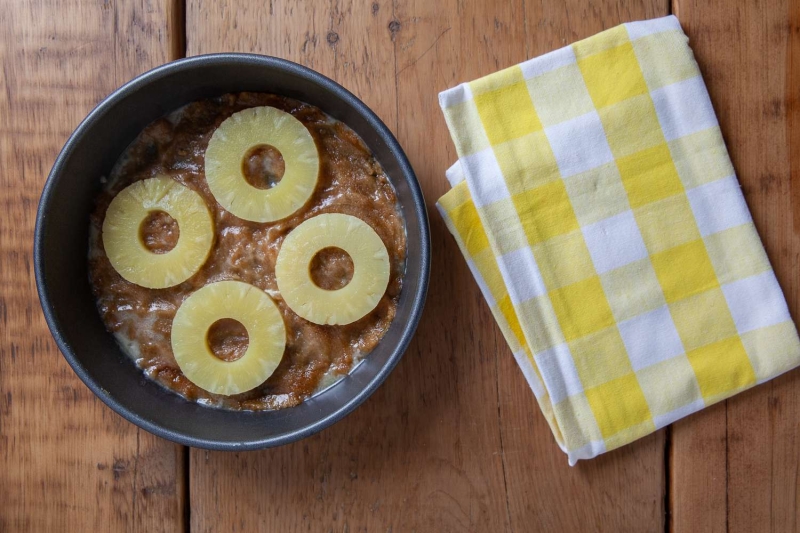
x=597, y=207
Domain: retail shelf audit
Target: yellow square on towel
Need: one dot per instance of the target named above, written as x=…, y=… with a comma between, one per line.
x=526, y=162
x=582, y=308
x=540, y=311
x=594, y=370
x=702, y=319
x=660, y=69
x=684, y=270
x=701, y=157
x=618, y=405
x=465, y=116
x=612, y=75
x=507, y=111
x=545, y=212
x=563, y=260
x=771, y=350
x=677, y=373
x=631, y=125
x=597, y=194
x=547, y=93
x=632, y=289
x=507, y=309
x=649, y=175
x=466, y=216
x=706, y=360
x=673, y=211
x=736, y=253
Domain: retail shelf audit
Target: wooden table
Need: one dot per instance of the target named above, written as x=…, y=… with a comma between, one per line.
x=453, y=441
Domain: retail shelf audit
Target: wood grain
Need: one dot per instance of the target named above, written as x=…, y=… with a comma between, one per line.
x=453, y=441
x=67, y=463
x=736, y=466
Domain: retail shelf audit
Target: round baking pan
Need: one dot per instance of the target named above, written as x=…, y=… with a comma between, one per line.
x=62, y=240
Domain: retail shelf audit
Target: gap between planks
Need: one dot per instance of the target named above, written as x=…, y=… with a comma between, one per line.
x=178, y=51
x=668, y=451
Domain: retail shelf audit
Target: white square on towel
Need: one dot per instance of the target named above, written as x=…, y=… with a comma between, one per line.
x=718, y=205
x=559, y=372
x=521, y=274
x=650, y=338
x=454, y=174
x=456, y=95
x=641, y=28
x=484, y=177
x=548, y=62
x=756, y=302
x=579, y=144
x=681, y=412
x=614, y=242
x=684, y=108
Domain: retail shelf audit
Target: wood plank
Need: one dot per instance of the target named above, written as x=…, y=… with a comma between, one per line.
x=418, y=455
x=623, y=491
x=750, y=57
x=698, y=472
x=619, y=491
x=67, y=463
x=453, y=441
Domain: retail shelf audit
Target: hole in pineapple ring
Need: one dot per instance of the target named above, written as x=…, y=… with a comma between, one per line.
x=227, y=339
x=159, y=232
x=263, y=166
x=331, y=268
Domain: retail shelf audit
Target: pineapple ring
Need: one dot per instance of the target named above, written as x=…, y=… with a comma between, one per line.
x=123, y=244
x=235, y=137
x=254, y=310
x=370, y=269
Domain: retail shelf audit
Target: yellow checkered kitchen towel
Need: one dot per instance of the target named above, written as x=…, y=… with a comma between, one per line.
x=596, y=204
